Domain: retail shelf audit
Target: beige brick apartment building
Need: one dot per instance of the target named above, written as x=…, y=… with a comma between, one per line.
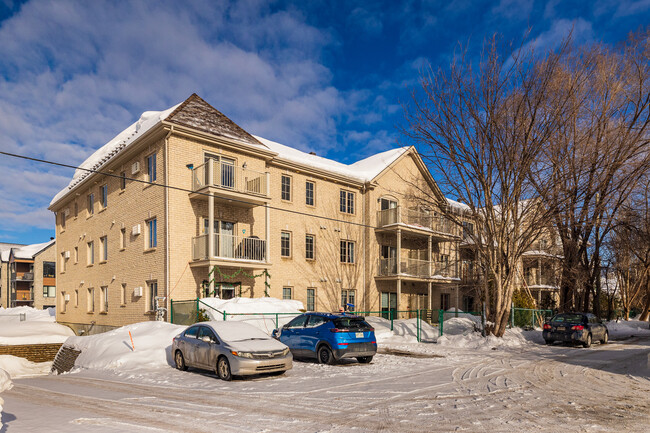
x=28, y=275
x=326, y=233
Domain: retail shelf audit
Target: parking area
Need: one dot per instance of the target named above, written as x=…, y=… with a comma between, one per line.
x=537, y=387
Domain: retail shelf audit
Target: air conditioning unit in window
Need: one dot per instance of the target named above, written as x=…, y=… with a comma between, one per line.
x=66, y=254
x=66, y=297
x=135, y=167
x=135, y=230
x=66, y=212
x=137, y=291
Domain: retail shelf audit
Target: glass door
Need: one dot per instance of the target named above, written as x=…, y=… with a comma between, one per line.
x=227, y=236
x=227, y=173
x=388, y=303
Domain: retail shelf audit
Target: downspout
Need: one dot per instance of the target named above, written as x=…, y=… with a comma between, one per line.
x=167, y=300
x=366, y=292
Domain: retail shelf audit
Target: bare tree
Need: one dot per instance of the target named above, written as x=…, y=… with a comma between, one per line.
x=482, y=130
x=595, y=158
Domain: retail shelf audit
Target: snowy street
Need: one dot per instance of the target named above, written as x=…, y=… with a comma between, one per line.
x=535, y=388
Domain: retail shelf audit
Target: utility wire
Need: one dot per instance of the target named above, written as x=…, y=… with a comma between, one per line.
x=60, y=164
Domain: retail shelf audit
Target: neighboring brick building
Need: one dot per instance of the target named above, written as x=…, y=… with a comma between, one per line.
x=28, y=273
x=368, y=233
x=5, y=275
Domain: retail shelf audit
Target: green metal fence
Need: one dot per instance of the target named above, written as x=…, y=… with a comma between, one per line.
x=527, y=317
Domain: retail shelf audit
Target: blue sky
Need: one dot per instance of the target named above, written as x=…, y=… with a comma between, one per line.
x=327, y=76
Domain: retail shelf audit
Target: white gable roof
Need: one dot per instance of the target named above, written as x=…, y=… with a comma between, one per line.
x=363, y=171
x=29, y=251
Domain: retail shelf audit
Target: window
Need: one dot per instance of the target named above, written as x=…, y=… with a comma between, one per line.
x=49, y=291
x=63, y=304
x=309, y=247
x=309, y=193
x=49, y=269
x=122, y=181
x=286, y=293
x=76, y=298
x=468, y=229
x=387, y=203
x=285, y=244
x=122, y=239
x=90, y=302
x=347, y=252
x=76, y=255
x=62, y=220
x=286, y=188
x=348, y=299
x=103, y=242
x=347, y=202
x=315, y=321
x=103, y=300
x=151, y=168
x=123, y=294
x=152, y=237
x=103, y=196
x=444, y=301
x=298, y=322
x=62, y=263
x=152, y=292
x=91, y=253
x=91, y=202
x=311, y=299
x=76, y=209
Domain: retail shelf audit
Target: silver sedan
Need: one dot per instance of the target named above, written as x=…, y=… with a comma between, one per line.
x=230, y=349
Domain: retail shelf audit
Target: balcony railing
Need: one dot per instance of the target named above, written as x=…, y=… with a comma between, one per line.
x=229, y=247
x=22, y=276
x=414, y=218
x=229, y=177
x=417, y=268
x=535, y=279
x=542, y=248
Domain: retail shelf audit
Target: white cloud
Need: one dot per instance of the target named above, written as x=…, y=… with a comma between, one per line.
x=73, y=74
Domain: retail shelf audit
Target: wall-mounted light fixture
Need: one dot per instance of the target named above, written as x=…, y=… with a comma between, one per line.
x=190, y=166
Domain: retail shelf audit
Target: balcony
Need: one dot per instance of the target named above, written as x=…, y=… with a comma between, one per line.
x=545, y=280
x=417, y=222
x=415, y=268
x=22, y=276
x=543, y=249
x=230, y=250
x=230, y=184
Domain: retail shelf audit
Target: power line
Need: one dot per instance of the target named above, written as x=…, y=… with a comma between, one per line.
x=60, y=164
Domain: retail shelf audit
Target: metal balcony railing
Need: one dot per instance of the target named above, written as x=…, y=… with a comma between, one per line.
x=230, y=247
x=535, y=279
x=410, y=217
x=418, y=268
x=229, y=177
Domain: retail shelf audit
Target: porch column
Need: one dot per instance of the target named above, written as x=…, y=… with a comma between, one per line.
x=430, y=241
x=399, y=266
x=210, y=224
x=429, y=287
x=399, y=295
x=267, y=230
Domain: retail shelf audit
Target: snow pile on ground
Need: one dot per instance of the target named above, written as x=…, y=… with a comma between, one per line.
x=5, y=384
x=112, y=350
x=404, y=331
x=31, y=314
x=17, y=367
x=248, y=310
x=513, y=338
x=37, y=332
x=627, y=328
x=452, y=314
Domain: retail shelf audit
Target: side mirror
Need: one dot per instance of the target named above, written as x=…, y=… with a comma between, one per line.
x=207, y=339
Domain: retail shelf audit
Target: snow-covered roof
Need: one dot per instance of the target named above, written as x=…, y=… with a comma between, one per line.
x=212, y=121
x=29, y=251
x=147, y=120
x=5, y=249
x=364, y=170
x=458, y=206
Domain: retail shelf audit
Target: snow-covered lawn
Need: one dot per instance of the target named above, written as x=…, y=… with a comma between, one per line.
x=37, y=328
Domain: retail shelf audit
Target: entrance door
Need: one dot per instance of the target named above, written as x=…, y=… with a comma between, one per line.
x=388, y=303
x=227, y=291
x=227, y=238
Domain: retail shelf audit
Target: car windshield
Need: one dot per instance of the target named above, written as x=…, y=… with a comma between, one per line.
x=568, y=318
x=352, y=323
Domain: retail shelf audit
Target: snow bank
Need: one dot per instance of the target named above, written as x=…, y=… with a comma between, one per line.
x=248, y=309
x=113, y=351
x=31, y=314
x=513, y=338
x=404, y=331
x=17, y=367
x=36, y=332
x=5, y=384
x=451, y=314
x=622, y=328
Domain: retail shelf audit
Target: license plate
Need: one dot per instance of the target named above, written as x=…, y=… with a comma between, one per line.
x=561, y=328
x=359, y=334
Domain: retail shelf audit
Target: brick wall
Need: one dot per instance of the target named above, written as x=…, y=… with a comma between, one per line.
x=32, y=352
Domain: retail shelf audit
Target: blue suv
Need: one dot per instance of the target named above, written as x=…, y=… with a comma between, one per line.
x=329, y=337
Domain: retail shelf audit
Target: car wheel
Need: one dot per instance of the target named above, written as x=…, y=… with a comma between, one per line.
x=548, y=342
x=325, y=355
x=605, y=338
x=223, y=369
x=180, y=361
x=588, y=342
x=364, y=359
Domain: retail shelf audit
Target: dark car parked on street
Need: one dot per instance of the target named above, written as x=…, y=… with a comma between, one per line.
x=581, y=328
x=328, y=337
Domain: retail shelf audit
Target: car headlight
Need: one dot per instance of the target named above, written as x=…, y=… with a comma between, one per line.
x=285, y=352
x=242, y=354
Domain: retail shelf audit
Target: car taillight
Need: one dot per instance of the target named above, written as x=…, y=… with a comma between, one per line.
x=577, y=328
x=339, y=330
x=547, y=326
